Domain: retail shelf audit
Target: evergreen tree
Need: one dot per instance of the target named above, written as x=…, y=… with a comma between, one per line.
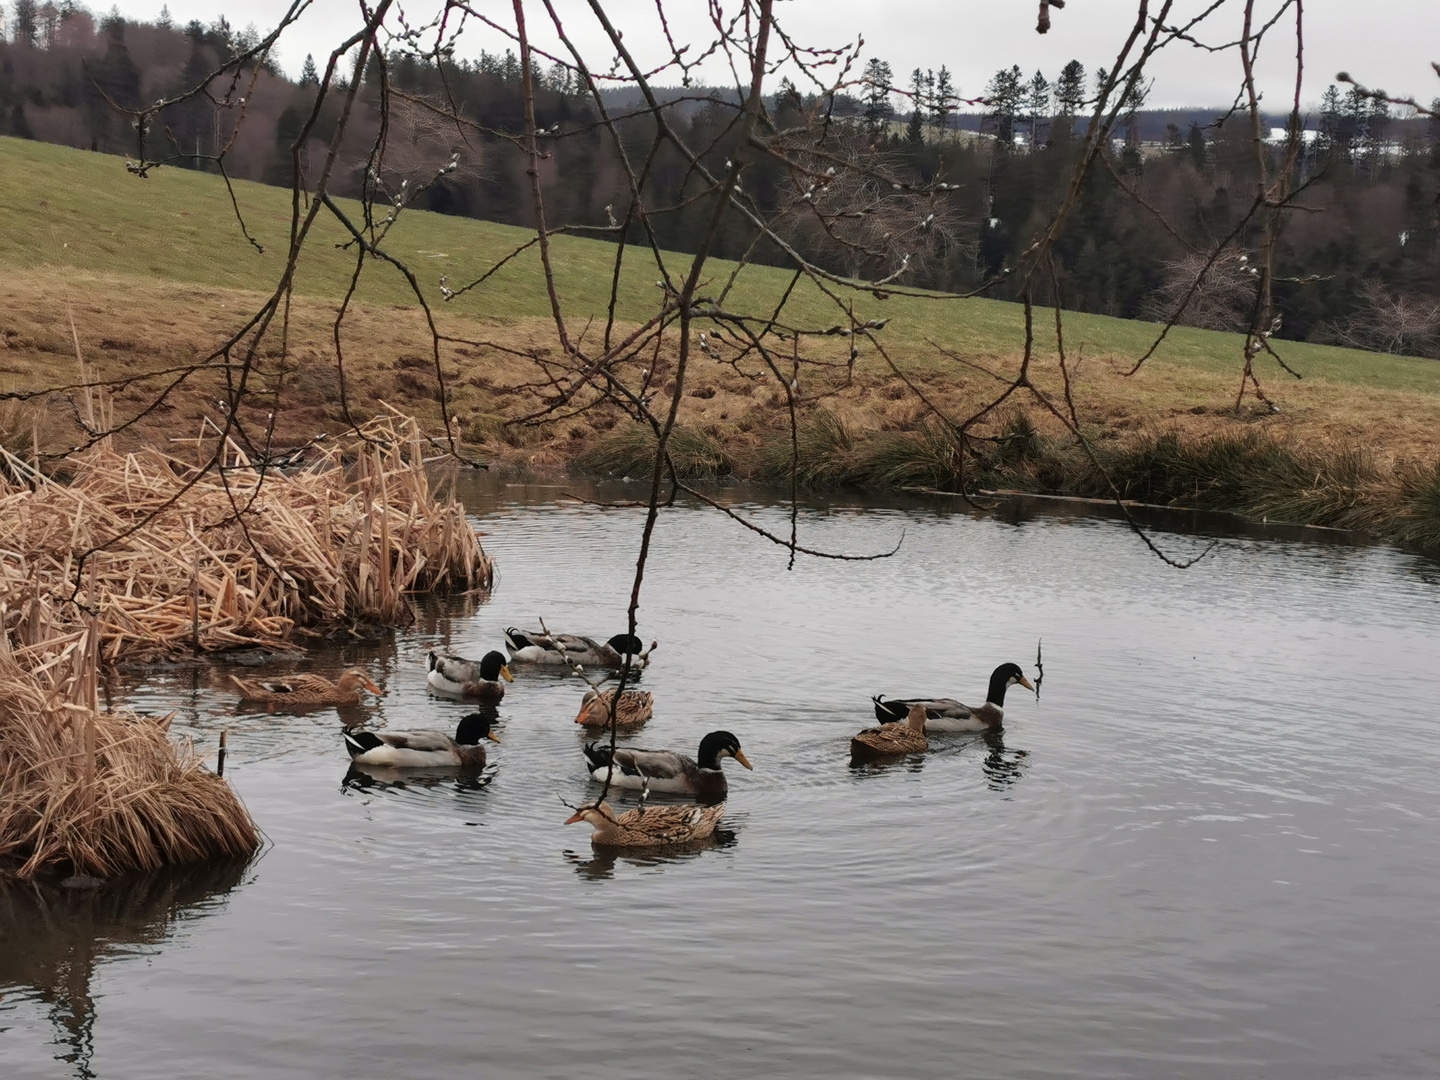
x=165, y=22
x=1005, y=94
x=1037, y=109
x=915, y=130
x=1377, y=125
x=1069, y=98
x=942, y=99
x=1196, y=142
x=1328, y=128
x=27, y=25
x=877, y=95
x=308, y=75
x=1355, y=123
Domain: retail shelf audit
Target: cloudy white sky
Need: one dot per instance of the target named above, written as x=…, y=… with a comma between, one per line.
x=1389, y=43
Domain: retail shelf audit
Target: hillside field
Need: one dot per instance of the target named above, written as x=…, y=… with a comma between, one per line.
x=155, y=272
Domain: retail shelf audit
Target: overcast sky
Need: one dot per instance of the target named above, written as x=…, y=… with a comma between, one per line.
x=1389, y=43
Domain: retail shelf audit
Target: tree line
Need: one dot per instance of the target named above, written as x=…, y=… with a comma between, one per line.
x=1361, y=267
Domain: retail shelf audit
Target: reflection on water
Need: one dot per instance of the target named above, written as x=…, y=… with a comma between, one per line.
x=55, y=935
x=1183, y=861
x=364, y=777
x=599, y=864
x=1003, y=767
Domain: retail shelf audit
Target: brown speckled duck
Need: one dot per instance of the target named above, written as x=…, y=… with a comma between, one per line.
x=307, y=689
x=634, y=709
x=947, y=714
x=906, y=738
x=648, y=826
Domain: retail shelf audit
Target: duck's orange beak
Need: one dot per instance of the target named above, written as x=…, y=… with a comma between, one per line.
x=577, y=816
x=505, y=673
x=743, y=760
x=582, y=714
x=492, y=736
x=1026, y=683
x=370, y=685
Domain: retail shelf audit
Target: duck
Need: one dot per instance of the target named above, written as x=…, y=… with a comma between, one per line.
x=423, y=749
x=307, y=689
x=648, y=826
x=946, y=714
x=474, y=680
x=906, y=738
x=665, y=770
x=634, y=709
x=538, y=647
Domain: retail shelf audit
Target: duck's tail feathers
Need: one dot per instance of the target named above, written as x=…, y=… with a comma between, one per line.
x=432, y=660
x=888, y=712
x=515, y=639
x=598, y=756
x=358, y=742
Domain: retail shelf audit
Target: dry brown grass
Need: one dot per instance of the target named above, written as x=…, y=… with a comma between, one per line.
x=99, y=792
x=174, y=560
x=142, y=554
x=387, y=359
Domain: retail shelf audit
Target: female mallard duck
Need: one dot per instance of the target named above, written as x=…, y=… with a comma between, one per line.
x=473, y=680
x=665, y=770
x=946, y=714
x=537, y=647
x=423, y=749
x=632, y=711
x=307, y=689
x=648, y=826
x=906, y=738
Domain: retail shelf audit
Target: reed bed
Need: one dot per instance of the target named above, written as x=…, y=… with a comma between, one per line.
x=99, y=792
x=170, y=557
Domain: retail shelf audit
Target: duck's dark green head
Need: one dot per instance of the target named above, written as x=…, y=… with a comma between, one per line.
x=720, y=744
x=473, y=728
x=626, y=644
x=1004, y=677
x=493, y=666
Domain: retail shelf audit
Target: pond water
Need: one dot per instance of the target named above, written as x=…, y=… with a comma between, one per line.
x=1208, y=849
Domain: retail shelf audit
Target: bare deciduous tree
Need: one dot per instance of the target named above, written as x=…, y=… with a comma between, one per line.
x=1392, y=322
x=1211, y=294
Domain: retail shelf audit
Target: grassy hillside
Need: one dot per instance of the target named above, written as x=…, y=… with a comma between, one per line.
x=69, y=209
x=154, y=272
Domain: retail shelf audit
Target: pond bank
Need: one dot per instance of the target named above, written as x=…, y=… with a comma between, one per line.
x=1251, y=472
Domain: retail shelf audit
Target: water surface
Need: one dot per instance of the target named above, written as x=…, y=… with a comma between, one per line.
x=1208, y=849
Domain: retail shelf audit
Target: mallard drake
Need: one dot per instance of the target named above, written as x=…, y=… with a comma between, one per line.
x=946, y=714
x=906, y=738
x=538, y=647
x=665, y=770
x=423, y=749
x=648, y=826
x=473, y=680
x=634, y=709
x=307, y=689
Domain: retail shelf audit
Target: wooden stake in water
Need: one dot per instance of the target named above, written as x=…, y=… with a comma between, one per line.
x=220, y=763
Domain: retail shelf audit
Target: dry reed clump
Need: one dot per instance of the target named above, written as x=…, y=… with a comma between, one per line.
x=99, y=792
x=177, y=559
x=629, y=450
